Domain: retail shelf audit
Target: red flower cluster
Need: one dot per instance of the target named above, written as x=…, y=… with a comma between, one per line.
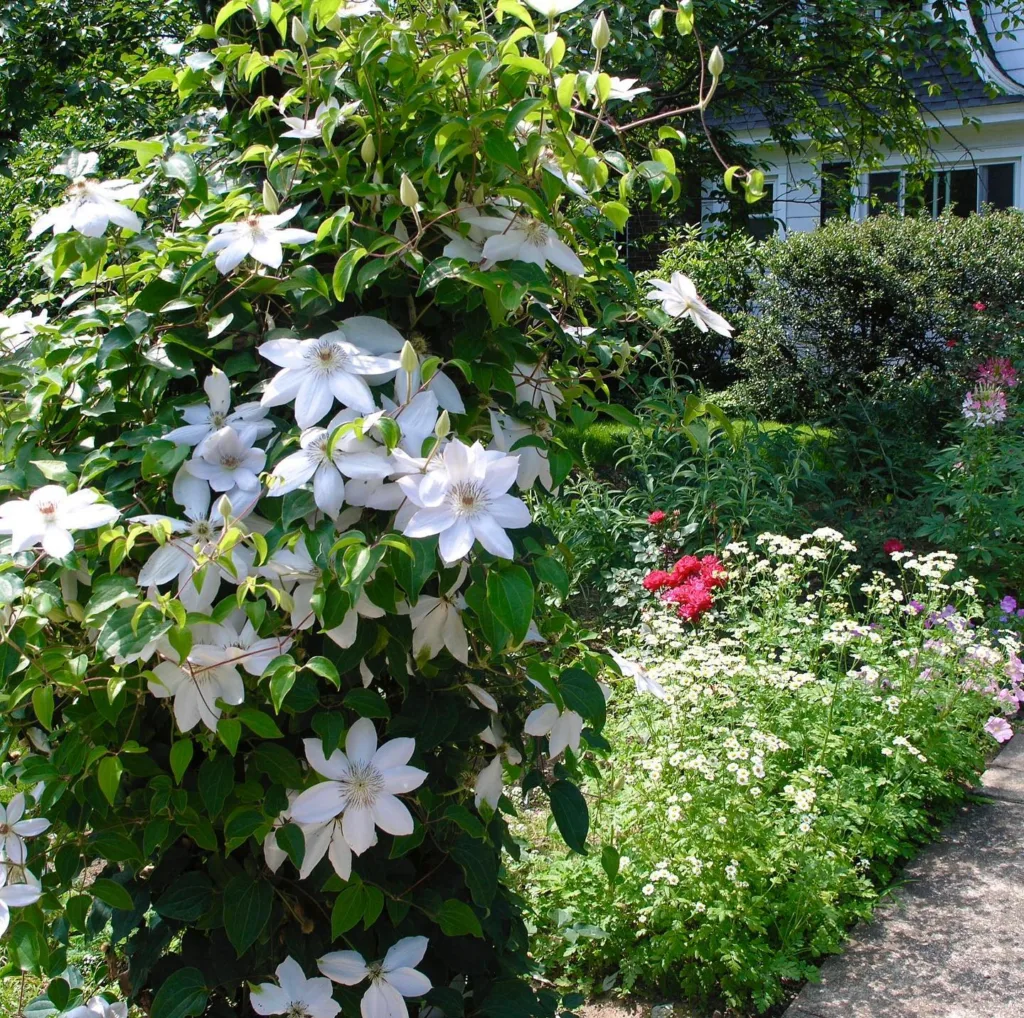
x=658, y=516
x=893, y=544
x=689, y=584
x=998, y=371
x=979, y=306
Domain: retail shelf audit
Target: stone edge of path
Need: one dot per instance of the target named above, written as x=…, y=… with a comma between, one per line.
x=845, y=990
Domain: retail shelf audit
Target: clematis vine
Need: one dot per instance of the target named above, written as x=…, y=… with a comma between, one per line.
x=294, y=995
x=203, y=419
x=207, y=675
x=48, y=516
x=14, y=829
x=391, y=980
x=679, y=299
x=437, y=624
x=258, y=236
x=563, y=728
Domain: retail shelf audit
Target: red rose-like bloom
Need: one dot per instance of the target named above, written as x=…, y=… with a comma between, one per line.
x=656, y=517
x=656, y=579
x=978, y=306
x=712, y=572
x=892, y=545
x=687, y=566
x=692, y=598
x=950, y=344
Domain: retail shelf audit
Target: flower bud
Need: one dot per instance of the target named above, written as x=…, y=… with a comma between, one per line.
x=716, y=62
x=368, y=150
x=443, y=425
x=410, y=362
x=407, y=193
x=299, y=33
x=601, y=34
x=453, y=12
x=270, y=201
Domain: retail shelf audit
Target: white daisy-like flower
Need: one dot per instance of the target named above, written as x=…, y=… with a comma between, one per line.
x=466, y=501
x=563, y=728
x=14, y=829
x=351, y=457
x=203, y=419
x=533, y=461
x=363, y=786
x=294, y=995
x=91, y=204
x=533, y=386
x=437, y=624
x=391, y=980
x=340, y=365
x=17, y=329
x=621, y=88
x=16, y=895
x=228, y=462
x=261, y=237
x=490, y=782
x=313, y=128
x=99, y=1007
x=48, y=516
x=206, y=676
x=526, y=239
x=679, y=299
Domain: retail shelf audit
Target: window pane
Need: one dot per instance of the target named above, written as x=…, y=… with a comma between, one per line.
x=998, y=185
x=835, y=191
x=761, y=224
x=883, y=191
x=918, y=191
x=963, y=191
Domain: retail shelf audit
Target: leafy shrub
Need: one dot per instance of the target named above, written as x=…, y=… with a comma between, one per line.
x=780, y=761
x=853, y=305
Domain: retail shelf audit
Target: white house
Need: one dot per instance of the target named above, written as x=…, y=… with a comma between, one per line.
x=976, y=163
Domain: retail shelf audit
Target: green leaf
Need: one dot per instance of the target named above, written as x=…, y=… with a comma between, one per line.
x=617, y=213
x=550, y=570
x=347, y=910
x=161, y=459
x=107, y=591
x=342, y=275
x=510, y=598
x=325, y=669
x=367, y=703
x=480, y=865
x=29, y=946
x=291, y=840
x=108, y=774
x=182, y=993
x=571, y=814
x=118, y=638
x=186, y=899
x=247, y=907
x=457, y=919
x=373, y=905
x=582, y=694
x=112, y=894
x=181, y=166
x=42, y=704
x=216, y=779
x=610, y=863
x=181, y=757
x=259, y=723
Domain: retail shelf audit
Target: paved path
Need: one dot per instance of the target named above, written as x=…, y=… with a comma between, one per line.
x=951, y=942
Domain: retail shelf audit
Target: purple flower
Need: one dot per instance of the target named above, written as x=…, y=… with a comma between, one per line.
x=916, y=607
x=1008, y=604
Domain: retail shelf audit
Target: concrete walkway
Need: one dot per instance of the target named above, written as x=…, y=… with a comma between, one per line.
x=950, y=944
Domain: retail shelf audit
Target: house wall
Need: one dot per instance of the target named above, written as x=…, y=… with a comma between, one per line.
x=1008, y=51
x=999, y=138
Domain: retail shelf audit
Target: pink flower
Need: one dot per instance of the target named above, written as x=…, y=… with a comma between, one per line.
x=712, y=572
x=985, y=406
x=998, y=371
x=999, y=729
x=687, y=566
x=656, y=579
x=979, y=306
x=658, y=516
x=893, y=544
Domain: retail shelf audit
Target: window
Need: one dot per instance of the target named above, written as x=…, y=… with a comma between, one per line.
x=963, y=191
x=762, y=223
x=835, y=191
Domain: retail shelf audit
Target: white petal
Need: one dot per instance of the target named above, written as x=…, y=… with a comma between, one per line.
x=391, y=814
x=405, y=953
x=345, y=967
x=361, y=742
x=382, y=1000
x=542, y=720
x=319, y=804
x=357, y=826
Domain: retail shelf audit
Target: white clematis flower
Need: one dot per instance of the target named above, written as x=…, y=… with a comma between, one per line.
x=466, y=500
x=253, y=652
x=14, y=830
x=391, y=980
x=526, y=239
x=563, y=728
x=91, y=204
x=533, y=462
x=552, y=8
x=327, y=838
x=258, y=236
x=340, y=365
x=357, y=9
x=313, y=128
x=16, y=895
x=203, y=419
x=643, y=681
x=363, y=785
x=294, y=995
x=533, y=386
x=206, y=676
x=228, y=462
x=409, y=383
x=437, y=624
x=48, y=516
x=99, y=1007
x=352, y=457
x=679, y=299
x=17, y=330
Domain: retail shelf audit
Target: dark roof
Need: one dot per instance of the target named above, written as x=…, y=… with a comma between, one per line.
x=959, y=91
